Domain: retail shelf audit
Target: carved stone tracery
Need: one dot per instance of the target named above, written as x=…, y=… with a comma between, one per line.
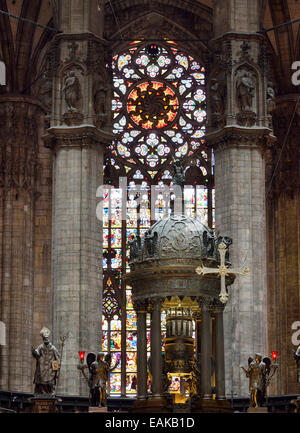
x=19, y=124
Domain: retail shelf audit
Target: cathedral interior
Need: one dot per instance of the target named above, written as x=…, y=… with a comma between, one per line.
x=99, y=101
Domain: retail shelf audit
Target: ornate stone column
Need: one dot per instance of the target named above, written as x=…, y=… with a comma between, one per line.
x=80, y=129
x=20, y=132
x=240, y=131
x=218, y=309
x=142, y=375
x=205, y=350
x=156, y=357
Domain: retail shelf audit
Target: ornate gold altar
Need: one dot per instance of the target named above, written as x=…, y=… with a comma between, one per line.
x=163, y=277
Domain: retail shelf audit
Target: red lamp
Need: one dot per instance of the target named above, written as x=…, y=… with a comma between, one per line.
x=81, y=355
x=274, y=354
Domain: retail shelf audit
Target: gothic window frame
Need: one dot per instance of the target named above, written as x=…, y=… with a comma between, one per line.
x=199, y=176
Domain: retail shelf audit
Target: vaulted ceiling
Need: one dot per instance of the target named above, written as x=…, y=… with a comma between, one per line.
x=285, y=40
x=22, y=44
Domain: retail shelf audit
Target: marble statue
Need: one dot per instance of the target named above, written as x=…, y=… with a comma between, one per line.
x=217, y=97
x=270, y=98
x=71, y=91
x=99, y=94
x=245, y=91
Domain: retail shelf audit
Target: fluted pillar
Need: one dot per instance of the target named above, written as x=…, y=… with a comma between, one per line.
x=156, y=357
x=205, y=351
x=141, y=309
x=76, y=273
x=240, y=132
x=20, y=132
x=80, y=130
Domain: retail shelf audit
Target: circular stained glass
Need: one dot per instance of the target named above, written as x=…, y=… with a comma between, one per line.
x=159, y=108
x=152, y=104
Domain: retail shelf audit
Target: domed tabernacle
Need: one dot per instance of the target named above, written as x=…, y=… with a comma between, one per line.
x=177, y=236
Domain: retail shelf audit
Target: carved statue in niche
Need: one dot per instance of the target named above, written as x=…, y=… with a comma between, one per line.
x=217, y=90
x=72, y=92
x=99, y=98
x=45, y=92
x=245, y=90
x=270, y=98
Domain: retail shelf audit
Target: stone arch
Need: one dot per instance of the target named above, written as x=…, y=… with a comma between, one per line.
x=146, y=25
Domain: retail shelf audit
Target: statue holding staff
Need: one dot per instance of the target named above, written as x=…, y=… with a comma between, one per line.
x=47, y=365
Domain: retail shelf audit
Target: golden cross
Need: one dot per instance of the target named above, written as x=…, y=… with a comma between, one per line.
x=223, y=271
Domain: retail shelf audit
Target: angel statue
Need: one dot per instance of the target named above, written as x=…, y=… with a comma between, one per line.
x=107, y=370
x=260, y=372
x=96, y=366
x=99, y=369
x=47, y=365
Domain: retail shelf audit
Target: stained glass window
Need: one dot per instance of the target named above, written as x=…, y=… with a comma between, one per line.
x=158, y=108
x=159, y=114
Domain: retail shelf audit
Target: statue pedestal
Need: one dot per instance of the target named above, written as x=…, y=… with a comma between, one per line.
x=95, y=409
x=151, y=405
x=72, y=118
x=257, y=410
x=46, y=404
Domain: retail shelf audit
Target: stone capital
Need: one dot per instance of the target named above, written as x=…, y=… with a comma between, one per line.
x=217, y=307
x=235, y=136
x=204, y=304
x=240, y=83
x=140, y=306
x=155, y=303
x=76, y=136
